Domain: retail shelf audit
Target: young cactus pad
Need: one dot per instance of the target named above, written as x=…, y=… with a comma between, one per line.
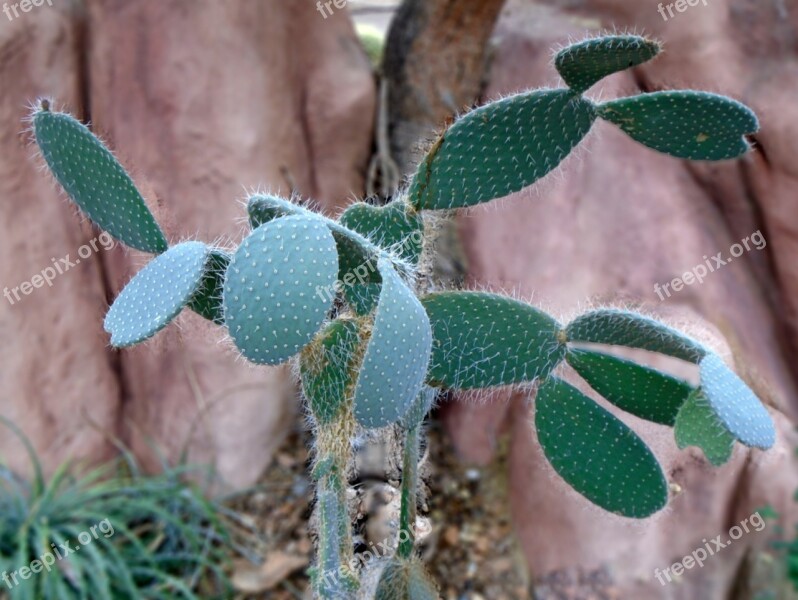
x=586, y=63
x=157, y=294
x=95, y=180
x=697, y=425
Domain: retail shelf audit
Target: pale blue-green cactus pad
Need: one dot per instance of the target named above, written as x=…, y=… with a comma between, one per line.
x=397, y=354
x=273, y=296
x=157, y=294
x=735, y=404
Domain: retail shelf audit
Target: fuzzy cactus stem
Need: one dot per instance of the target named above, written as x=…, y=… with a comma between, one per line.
x=407, y=512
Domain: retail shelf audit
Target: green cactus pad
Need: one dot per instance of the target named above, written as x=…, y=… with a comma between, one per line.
x=363, y=298
x=483, y=340
x=263, y=208
x=685, y=124
x=207, y=300
x=272, y=301
x=157, y=294
x=697, y=425
x=405, y=579
x=396, y=227
x=397, y=354
x=642, y=391
x=735, y=404
x=586, y=63
x=596, y=454
x=501, y=148
x=326, y=369
x=420, y=407
x=626, y=328
x=95, y=181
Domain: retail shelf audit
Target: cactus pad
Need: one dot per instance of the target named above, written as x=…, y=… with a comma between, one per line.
x=735, y=404
x=697, y=425
x=396, y=227
x=483, y=340
x=207, y=300
x=641, y=391
x=625, y=328
x=397, y=354
x=326, y=369
x=263, y=208
x=596, y=454
x=501, y=148
x=586, y=63
x=355, y=262
x=685, y=124
x=157, y=294
x=272, y=300
x=95, y=181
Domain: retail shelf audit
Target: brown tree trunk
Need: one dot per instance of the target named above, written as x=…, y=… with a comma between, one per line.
x=434, y=64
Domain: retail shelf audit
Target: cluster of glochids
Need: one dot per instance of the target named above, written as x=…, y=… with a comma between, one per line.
x=373, y=351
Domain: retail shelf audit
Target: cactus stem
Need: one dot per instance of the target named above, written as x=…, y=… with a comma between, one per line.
x=335, y=547
x=407, y=511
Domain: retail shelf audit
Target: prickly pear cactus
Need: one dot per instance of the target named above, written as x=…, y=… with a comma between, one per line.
x=347, y=300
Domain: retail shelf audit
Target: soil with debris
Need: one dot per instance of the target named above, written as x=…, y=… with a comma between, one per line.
x=465, y=533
